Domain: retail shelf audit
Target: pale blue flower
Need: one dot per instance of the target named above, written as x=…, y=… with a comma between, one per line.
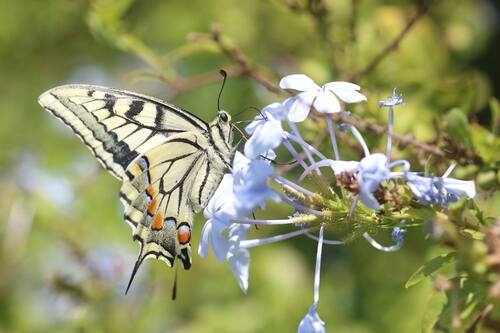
x=219, y=211
x=439, y=190
x=237, y=196
x=266, y=131
x=238, y=257
x=324, y=99
x=398, y=235
x=279, y=112
x=312, y=323
x=393, y=100
x=251, y=183
x=373, y=170
x=266, y=136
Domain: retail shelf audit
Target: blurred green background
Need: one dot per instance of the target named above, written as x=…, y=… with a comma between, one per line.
x=66, y=255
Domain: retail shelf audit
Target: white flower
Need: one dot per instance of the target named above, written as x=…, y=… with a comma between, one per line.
x=373, y=170
x=312, y=323
x=324, y=99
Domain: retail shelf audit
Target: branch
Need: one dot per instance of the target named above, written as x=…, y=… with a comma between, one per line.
x=239, y=57
x=243, y=67
x=184, y=84
x=393, y=45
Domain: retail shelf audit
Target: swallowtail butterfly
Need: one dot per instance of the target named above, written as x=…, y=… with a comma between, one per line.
x=169, y=160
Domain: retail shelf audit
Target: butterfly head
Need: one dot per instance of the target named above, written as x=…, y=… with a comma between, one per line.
x=224, y=127
x=223, y=117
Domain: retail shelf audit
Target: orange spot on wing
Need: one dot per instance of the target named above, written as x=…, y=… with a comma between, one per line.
x=184, y=234
x=150, y=191
x=152, y=206
x=157, y=223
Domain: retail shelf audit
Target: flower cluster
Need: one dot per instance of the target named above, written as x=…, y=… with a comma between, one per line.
x=374, y=191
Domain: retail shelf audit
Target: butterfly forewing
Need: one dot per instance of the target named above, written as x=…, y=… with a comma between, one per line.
x=117, y=125
x=169, y=160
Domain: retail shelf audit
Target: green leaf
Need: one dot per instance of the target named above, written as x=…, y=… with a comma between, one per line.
x=477, y=235
x=458, y=127
x=432, y=312
x=429, y=267
x=486, y=145
x=495, y=115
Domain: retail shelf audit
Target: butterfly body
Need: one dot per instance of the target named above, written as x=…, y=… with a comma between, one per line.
x=169, y=160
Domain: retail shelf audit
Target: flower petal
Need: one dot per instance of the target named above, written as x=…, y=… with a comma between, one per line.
x=221, y=195
x=460, y=187
x=298, y=82
x=237, y=257
x=220, y=244
x=266, y=137
x=343, y=166
x=346, y=91
x=312, y=323
x=277, y=110
x=369, y=200
x=326, y=102
x=240, y=264
x=301, y=106
x=205, y=232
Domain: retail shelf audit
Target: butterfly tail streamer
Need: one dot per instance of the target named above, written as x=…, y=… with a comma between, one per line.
x=136, y=268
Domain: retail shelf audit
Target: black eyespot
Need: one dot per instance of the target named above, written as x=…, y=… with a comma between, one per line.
x=223, y=116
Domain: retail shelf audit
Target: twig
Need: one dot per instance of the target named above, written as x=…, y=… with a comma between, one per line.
x=185, y=84
x=393, y=45
x=239, y=57
x=245, y=68
x=481, y=317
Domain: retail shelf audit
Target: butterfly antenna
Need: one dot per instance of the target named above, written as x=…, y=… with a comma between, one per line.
x=134, y=271
x=174, y=286
x=224, y=75
x=277, y=163
x=246, y=109
x=243, y=135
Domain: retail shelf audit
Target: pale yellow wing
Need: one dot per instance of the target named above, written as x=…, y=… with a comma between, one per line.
x=117, y=125
x=161, y=192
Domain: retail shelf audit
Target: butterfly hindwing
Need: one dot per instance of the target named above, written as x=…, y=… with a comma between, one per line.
x=157, y=195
